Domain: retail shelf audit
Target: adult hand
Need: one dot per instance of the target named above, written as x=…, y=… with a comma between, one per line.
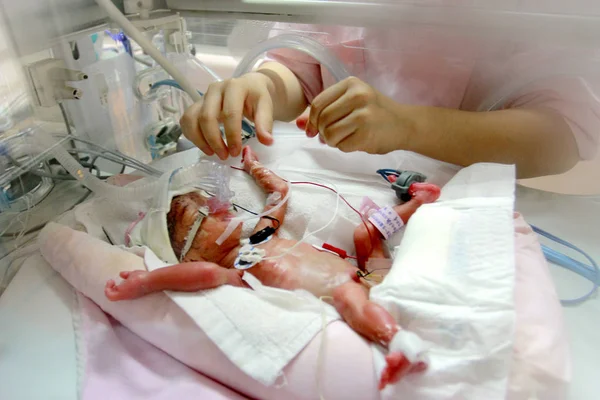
x=227, y=102
x=353, y=116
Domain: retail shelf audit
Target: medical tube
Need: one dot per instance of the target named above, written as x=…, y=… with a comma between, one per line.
x=116, y=15
x=199, y=174
x=90, y=181
x=295, y=42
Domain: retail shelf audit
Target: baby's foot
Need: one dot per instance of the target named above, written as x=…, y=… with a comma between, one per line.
x=397, y=367
x=134, y=285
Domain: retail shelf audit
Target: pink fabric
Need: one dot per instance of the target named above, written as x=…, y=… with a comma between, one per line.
x=425, y=65
x=541, y=347
x=117, y=364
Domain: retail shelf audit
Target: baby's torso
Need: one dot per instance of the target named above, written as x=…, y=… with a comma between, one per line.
x=304, y=267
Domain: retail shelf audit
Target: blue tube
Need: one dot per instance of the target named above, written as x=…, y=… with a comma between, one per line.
x=387, y=171
x=589, y=272
x=121, y=37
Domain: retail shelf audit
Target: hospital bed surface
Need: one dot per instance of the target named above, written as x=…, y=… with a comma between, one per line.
x=38, y=342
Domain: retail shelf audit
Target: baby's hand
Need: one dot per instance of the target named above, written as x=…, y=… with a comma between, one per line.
x=353, y=116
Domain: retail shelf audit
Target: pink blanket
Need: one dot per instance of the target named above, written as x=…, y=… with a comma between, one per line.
x=117, y=364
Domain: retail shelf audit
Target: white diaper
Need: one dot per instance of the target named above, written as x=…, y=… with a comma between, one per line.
x=452, y=285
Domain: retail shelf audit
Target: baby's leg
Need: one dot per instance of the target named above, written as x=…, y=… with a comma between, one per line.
x=186, y=277
x=368, y=241
x=374, y=322
x=275, y=187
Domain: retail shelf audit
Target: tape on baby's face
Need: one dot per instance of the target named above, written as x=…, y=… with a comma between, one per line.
x=189, y=239
x=386, y=221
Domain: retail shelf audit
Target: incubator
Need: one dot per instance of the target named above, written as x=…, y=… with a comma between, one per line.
x=90, y=89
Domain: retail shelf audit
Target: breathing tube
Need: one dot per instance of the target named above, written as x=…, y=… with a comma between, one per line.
x=288, y=41
x=303, y=44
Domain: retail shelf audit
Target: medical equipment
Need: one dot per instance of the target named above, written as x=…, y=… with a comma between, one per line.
x=401, y=181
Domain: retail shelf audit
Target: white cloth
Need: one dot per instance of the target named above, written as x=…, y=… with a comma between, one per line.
x=260, y=330
x=452, y=284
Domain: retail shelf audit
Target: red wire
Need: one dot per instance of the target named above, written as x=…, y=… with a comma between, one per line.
x=330, y=252
x=333, y=190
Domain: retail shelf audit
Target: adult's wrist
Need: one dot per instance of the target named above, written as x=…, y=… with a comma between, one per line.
x=414, y=123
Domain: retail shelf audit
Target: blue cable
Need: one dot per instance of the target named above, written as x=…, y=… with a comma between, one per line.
x=387, y=171
x=589, y=272
x=171, y=83
x=121, y=37
x=246, y=127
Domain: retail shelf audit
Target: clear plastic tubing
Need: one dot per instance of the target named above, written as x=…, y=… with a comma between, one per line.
x=295, y=42
x=198, y=174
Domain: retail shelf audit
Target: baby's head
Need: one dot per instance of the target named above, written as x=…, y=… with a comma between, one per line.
x=183, y=215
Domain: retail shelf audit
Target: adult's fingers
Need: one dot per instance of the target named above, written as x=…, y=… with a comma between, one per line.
x=323, y=100
x=352, y=142
x=337, y=111
x=191, y=128
x=263, y=119
x=233, y=110
x=339, y=131
x=302, y=121
x=209, y=120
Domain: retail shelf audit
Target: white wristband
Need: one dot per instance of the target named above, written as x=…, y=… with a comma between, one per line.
x=386, y=221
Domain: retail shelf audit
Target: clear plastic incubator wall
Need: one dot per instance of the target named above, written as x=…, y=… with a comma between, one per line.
x=84, y=98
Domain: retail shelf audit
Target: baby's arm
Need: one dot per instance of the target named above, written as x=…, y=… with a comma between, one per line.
x=186, y=277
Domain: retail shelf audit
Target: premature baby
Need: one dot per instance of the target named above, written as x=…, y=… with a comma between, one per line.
x=207, y=265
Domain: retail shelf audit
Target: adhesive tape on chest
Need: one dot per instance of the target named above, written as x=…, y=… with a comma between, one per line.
x=248, y=257
x=386, y=221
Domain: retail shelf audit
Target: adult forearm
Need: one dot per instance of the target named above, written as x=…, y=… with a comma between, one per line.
x=286, y=91
x=538, y=142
